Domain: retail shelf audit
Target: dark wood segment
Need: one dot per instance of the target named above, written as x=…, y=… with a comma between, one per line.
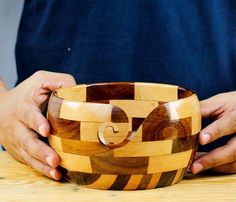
x=120, y=182
x=183, y=93
x=85, y=148
x=118, y=115
x=166, y=129
x=161, y=112
x=136, y=123
x=166, y=178
x=144, y=181
x=54, y=105
x=119, y=165
x=65, y=128
x=184, y=144
x=82, y=178
x=110, y=91
x=61, y=127
x=101, y=101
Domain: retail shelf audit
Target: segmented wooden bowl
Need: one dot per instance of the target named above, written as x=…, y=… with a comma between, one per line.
x=124, y=136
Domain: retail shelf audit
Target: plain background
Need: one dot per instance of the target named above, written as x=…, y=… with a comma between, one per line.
x=10, y=12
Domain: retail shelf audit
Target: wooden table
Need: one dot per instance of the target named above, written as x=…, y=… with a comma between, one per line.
x=20, y=183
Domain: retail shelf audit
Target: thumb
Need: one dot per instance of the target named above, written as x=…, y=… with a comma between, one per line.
x=52, y=81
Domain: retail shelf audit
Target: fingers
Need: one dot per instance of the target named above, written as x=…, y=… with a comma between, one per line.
x=217, y=157
x=227, y=168
x=33, y=118
x=225, y=125
x=41, y=167
x=212, y=106
x=38, y=149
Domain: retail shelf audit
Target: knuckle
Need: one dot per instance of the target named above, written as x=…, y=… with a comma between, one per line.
x=233, y=169
x=27, y=160
x=69, y=78
x=209, y=163
x=39, y=74
x=231, y=123
x=42, y=169
x=234, y=155
x=217, y=132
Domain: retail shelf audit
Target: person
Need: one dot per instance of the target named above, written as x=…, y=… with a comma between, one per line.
x=188, y=43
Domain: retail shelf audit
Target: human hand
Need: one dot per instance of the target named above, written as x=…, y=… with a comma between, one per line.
x=222, y=107
x=21, y=121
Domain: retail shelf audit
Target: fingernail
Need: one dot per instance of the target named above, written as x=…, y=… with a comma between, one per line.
x=53, y=174
x=205, y=138
x=49, y=160
x=197, y=167
x=42, y=130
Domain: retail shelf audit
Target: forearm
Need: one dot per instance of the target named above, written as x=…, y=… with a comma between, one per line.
x=3, y=87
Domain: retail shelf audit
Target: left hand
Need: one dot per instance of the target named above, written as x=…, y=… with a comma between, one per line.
x=222, y=159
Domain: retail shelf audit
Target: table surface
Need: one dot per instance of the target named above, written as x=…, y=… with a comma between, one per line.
x=20, y=183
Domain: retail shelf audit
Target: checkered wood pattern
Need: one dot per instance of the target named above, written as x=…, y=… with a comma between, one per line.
x=123, y=135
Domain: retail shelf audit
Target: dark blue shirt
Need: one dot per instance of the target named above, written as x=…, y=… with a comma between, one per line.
x=183, y=42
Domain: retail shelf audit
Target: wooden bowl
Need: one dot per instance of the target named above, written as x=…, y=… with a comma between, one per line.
x=124, y=136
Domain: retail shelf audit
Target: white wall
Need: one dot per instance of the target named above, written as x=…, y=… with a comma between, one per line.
x=10, y=12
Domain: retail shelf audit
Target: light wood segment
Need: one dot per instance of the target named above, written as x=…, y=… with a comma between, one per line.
x=177, y=176
x=135, y=108
x=77, y=93
x=75, y=162
x=81, y=111
x=169, y=162
x=153, y=91
x=196, y=124
x=155, y=179
x=133, y=182
x=179, y=109
x=55, y=142
x=89, y=131
x=104, y=182
x=152, y=148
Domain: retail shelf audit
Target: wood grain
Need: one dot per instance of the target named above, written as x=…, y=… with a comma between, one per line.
x=76, y=93
x=136, y=108
x=152, y=91
x=151, y=148
x=16, y=187
x=124, y=165
x=166, y=129
x=113, y=91
x=127, y=130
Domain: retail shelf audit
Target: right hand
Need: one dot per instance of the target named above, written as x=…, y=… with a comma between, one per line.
x=21, y=121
